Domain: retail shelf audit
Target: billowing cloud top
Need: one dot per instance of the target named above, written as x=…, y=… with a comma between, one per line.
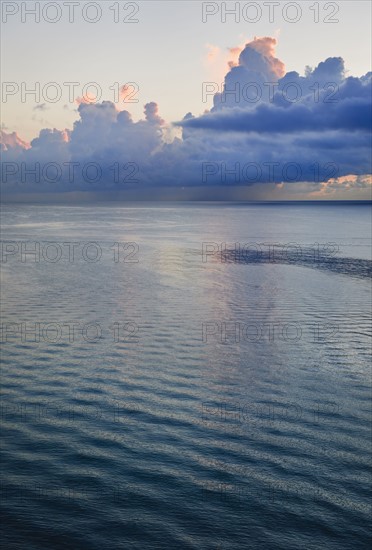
x=265, y=126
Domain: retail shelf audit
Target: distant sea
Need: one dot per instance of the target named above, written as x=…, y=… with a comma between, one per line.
x=192, y=376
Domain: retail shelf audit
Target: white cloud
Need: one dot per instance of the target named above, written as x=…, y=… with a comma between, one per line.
x=323, y=135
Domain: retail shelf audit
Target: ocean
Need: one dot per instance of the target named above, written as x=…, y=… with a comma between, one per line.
x=191, y=376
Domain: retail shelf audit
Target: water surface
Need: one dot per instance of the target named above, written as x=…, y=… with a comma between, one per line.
x=176, y=399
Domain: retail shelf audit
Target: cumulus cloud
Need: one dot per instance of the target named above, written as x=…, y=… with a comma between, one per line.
x=9, y=142
x=345, y=184
x=267, y=126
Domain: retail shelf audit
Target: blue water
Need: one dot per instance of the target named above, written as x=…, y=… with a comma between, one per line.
x=175, y=399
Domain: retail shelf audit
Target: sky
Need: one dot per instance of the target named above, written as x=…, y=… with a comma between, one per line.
x=155, y=63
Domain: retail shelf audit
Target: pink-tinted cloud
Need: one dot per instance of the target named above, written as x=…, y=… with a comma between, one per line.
x=11, y=141
x=332, y=137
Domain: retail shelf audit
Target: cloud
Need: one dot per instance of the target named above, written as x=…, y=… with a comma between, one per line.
x=41, y=107
x=254, y=63
x=12, y=142
x=151, y=113
x=345, y=184
x=350, y=115
x=305, y=132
